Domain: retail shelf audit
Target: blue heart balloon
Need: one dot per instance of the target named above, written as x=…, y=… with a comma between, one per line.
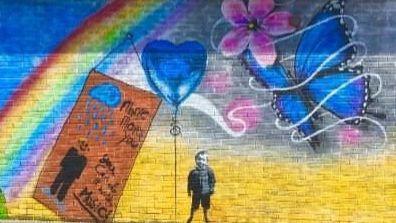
x=174, y=71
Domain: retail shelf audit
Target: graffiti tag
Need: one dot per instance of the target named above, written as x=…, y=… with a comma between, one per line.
x=133, y=132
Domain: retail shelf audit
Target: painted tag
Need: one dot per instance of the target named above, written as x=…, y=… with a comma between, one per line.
x=85, y=174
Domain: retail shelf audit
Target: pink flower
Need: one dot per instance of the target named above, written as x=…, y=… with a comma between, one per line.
x=253, y=27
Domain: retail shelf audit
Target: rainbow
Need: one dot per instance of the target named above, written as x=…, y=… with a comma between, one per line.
x=32, y=118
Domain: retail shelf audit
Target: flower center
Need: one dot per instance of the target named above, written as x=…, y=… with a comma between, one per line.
x=253, y=25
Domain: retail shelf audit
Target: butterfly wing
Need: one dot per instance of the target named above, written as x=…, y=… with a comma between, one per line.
x=328, y=35
x=345, y=99
x=319, y=45
x=270, y=76
x=290, y=106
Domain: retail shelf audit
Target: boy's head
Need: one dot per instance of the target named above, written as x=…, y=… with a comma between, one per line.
x=201, y=159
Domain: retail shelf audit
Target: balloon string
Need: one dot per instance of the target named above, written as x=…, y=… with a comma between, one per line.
x=175, y=127
x=175, y=146
x=175, y=131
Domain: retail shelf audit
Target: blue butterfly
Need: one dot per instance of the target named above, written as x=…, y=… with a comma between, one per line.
x=316, y=46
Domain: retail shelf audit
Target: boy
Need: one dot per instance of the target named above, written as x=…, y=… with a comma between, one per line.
x=201, y=182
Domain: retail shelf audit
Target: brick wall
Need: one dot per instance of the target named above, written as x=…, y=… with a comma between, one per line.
x=261, y=174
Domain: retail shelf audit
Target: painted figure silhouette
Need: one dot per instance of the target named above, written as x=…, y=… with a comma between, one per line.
x=72, y=166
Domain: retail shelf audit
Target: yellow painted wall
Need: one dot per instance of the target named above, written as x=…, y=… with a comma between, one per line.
x=250, y=189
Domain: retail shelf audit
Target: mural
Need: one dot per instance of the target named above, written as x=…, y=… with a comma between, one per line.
x=110, y=110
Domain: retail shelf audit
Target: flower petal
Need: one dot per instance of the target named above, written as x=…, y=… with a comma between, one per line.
x=259, y=9
x=263, y=49
x=279, y=23
x=234, y=11
x=235, y=41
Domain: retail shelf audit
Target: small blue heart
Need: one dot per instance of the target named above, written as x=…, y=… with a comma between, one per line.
x=174, y=71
